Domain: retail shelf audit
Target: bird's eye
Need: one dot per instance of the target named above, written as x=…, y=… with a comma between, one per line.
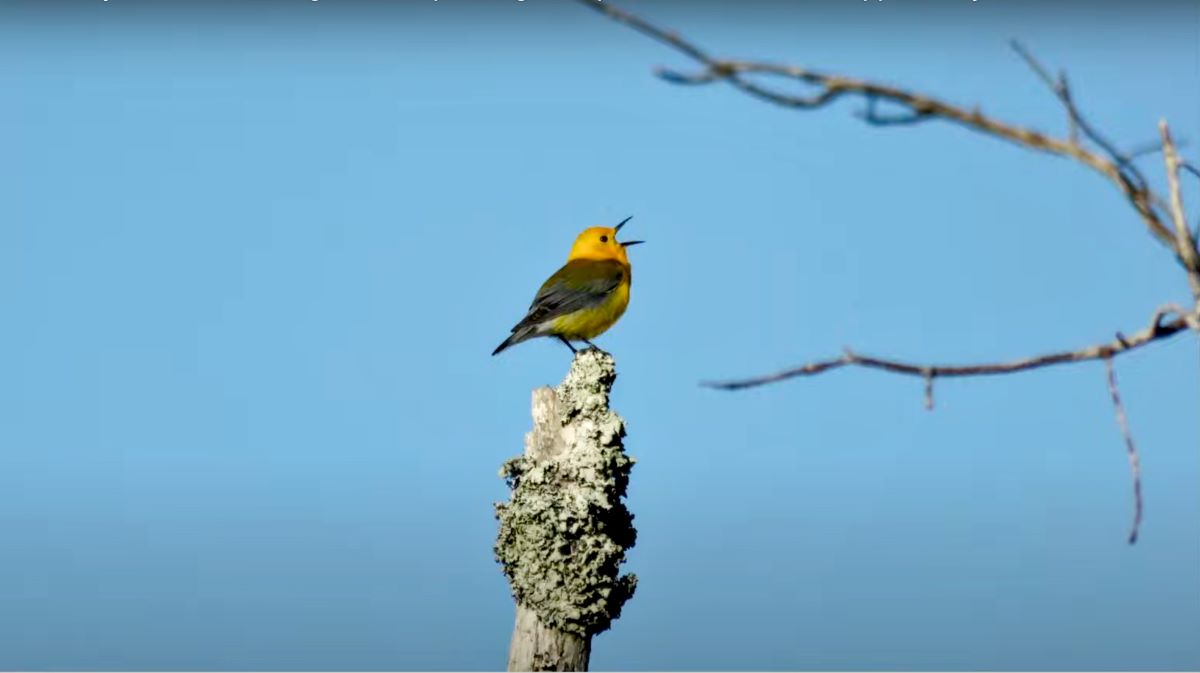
x=604, y=239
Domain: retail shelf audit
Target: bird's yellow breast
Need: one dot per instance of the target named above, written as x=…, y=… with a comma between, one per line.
x=591, y=322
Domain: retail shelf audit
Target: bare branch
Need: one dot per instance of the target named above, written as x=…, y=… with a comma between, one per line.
x=1135, y=463
x=1155, y=331
x=828, y=88
x=1061, y=87
x=1185, y=244
x=914, y=108
x=1062, y=91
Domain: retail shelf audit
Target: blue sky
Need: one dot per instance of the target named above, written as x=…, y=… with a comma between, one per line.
x=254, y=257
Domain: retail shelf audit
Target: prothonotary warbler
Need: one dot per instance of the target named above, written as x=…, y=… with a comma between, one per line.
x=583, y=298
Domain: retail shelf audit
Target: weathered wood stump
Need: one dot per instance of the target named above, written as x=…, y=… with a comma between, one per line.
x=564, y=531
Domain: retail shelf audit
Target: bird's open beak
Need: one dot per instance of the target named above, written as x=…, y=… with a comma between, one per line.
x=626, y=244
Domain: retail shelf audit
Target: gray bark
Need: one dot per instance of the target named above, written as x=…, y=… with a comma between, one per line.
x=564, y=532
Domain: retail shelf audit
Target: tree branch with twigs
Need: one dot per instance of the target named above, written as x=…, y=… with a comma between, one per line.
x=1164, y=218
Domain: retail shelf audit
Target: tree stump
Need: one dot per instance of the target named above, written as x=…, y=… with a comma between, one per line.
x=564, y=531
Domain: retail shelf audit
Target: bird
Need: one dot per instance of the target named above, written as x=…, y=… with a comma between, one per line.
x=585, y=297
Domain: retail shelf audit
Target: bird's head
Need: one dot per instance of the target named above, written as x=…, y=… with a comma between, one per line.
x=601, y=243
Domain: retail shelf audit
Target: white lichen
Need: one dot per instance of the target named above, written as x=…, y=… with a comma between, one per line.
x=564, y=532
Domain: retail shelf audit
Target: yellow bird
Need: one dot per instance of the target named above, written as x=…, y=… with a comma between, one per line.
x=583, y=298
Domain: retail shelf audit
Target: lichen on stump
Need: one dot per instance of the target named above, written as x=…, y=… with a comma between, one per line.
x=564, y=531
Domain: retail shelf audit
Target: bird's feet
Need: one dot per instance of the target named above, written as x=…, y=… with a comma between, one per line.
x=576, y=351
x=567, y=343
x=594, y=347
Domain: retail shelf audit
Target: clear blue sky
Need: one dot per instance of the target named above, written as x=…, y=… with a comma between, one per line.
x=254, y=257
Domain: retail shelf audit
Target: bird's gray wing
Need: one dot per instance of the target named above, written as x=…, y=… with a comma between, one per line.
x=578, y=284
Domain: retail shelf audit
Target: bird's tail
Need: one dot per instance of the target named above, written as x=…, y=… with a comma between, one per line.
x=517, y=337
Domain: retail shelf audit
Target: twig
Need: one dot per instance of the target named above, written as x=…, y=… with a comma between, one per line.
x=872, y=116
x=1072, y=119
x=1155, y=331
x=827, y=88
x=1185, y=244
x=1062, y=91
x=929, y=390
x=1154, y=147
x=1060, y=87
x=1135, y=463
